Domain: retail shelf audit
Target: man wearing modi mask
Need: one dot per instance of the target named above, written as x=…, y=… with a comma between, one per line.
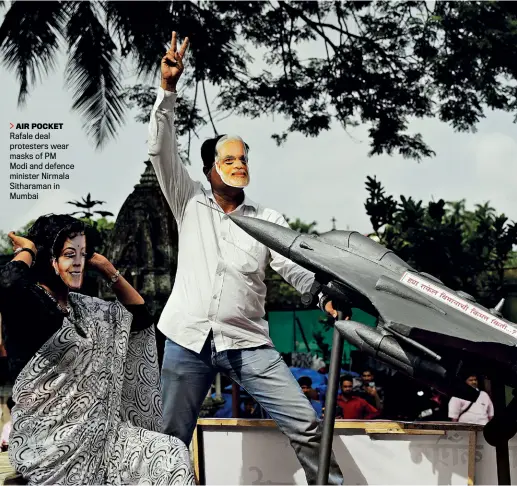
x=213, y=320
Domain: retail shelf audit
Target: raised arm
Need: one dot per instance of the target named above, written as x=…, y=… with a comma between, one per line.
x=16, y=273
x=126, y=294
x=370, y=412
x=490, y=407
x=454, y=409
x=175, y=182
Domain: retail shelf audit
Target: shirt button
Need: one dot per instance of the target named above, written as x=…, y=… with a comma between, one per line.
x=214, y=297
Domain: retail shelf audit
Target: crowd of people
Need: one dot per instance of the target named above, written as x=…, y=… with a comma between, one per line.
x=363, y=399
x=360, y=397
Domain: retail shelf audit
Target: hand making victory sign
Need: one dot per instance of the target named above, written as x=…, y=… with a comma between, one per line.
x=172, y=64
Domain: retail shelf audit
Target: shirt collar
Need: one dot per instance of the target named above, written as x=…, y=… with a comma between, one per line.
x=247, y=201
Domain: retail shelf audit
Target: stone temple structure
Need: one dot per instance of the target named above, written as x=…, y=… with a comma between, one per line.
x=144, y=242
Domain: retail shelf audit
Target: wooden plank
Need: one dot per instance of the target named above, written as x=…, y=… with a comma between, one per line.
x=471, y=461
x=195, y=452
x=425, y=431
x=394, y=430
x=348, y=424
x=235, y=423
x=199, y=455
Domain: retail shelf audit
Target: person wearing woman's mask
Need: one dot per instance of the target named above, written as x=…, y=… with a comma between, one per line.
x=86, y=379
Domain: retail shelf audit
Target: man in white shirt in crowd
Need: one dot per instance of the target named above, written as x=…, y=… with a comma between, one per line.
x=213, y=319
x=479, y=412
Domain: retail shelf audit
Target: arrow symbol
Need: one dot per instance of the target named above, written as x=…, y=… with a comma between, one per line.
x=11, y=125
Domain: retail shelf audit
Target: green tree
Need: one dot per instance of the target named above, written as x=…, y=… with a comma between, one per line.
x=103, y=229
x=6, y=245
x=302, y=227
x=378, y=63
x=466, y=249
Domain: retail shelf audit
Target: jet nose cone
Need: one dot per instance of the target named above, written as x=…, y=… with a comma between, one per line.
x=274, y=236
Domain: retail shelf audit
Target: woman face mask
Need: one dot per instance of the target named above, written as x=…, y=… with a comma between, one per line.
x=232, y=164
x=71, y=262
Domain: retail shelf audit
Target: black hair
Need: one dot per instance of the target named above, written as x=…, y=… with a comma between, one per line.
x=49, y=234
x=10, y=403
x=466, y=374
x=305, y=381
x=208, y=152
x=346, y=378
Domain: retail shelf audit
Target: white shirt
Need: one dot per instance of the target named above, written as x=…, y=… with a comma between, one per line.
x=479, y=413
x=219, y=282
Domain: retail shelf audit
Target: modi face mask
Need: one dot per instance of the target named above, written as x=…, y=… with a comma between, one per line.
x=231, y=162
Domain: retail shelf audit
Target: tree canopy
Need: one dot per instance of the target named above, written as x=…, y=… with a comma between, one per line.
x=467, y=250
x=378, y=63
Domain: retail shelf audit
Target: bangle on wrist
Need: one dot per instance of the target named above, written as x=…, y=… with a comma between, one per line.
x=114, y=278
x=28, y=250
x=322, y=300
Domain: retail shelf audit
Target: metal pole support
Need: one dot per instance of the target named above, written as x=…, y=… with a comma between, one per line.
x=501, y=450
x=327, y=435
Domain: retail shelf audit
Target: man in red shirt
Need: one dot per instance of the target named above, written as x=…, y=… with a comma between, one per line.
x=353, y=407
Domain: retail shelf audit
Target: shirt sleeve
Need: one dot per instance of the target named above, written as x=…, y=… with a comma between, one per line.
x=369, y=411
x=490, y=406
x=295, y=275
x=14, y=276
x=380, y=392
x=454, y=408
x=142, y=318
x=175, y=182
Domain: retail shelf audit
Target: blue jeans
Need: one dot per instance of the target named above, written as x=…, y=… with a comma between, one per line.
x=187, y=376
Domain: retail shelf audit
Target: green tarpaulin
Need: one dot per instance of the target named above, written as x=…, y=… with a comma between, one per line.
x=288, y=337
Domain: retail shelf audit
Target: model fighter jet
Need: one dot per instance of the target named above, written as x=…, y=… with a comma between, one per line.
x=424, y=329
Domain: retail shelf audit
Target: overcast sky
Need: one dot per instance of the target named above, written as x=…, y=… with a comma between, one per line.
x=313, y=179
